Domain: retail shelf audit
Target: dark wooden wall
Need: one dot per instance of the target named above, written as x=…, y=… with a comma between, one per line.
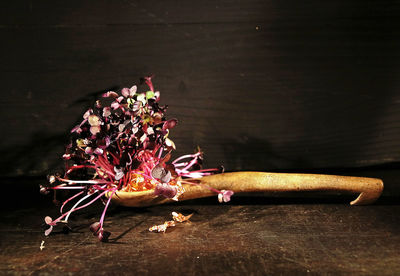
x=259, y=85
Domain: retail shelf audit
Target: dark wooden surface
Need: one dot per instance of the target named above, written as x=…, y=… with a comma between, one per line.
x=293, y=234
x=251, y=236
x=259, y=85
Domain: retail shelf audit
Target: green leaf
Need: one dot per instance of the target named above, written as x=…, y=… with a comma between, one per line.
x=149, y=94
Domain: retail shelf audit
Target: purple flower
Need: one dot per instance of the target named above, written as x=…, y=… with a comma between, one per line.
x=169, y=124
x=126, y=92
x=49, y=221
x=224, y=195
x=116, y=104
x=95, y=129
x=158, y=172
x=110, y=94
x=89, y=150
x=98, y=151
x=106, y=111
x=103, y=235
x=165, y=189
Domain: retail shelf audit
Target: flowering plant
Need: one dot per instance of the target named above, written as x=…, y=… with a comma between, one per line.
x=123, y=144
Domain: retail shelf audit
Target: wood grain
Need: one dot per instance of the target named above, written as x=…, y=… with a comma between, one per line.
x=252, y=236
x=259, y=85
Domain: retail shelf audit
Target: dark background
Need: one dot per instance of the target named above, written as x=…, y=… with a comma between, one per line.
x=259, y=85
x=286, y=86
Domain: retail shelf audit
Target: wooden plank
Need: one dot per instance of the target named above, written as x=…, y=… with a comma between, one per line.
x=293, y=88
x=246, y=237
x=124, y=12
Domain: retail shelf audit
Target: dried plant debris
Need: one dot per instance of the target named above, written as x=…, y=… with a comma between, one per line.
x=42, y=246
x=177, y=218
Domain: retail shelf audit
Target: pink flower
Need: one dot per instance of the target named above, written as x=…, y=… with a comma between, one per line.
x=225, y=195
x=110, y=94
x=49, y=221
x=129, y=92
x=166, y=190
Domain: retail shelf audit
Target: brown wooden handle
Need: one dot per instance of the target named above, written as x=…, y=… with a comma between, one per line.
x=369, y=188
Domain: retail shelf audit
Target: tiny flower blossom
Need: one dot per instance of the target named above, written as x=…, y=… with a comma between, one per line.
x=225, y=195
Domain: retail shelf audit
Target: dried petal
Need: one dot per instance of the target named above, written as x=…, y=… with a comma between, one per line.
x=162, y=227
x=178, y=217
x=42, y=246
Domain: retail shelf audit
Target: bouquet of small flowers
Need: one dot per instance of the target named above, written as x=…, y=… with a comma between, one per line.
x=123, y=144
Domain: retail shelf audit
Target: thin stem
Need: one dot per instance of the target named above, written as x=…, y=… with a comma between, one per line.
x=76, y=204
x=83, y=206
x=186, y=156
x=181, y=164
x=160, y=153
x=105, y=208
x=68, y=200
x=69, y=181
x=67, y=187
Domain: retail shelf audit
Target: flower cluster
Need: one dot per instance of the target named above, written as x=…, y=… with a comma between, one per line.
x=123, y=144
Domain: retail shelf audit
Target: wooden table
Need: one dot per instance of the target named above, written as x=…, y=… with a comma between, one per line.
x=249, y=236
